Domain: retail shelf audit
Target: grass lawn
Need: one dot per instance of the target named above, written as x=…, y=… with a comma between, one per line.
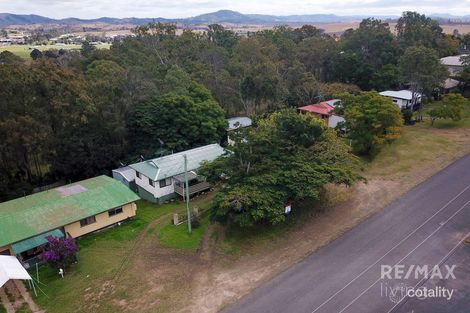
x=24, y=51
x=179, y=238
x=419, y=143
x=2, y=308
x=448, y=123
x=101, y=257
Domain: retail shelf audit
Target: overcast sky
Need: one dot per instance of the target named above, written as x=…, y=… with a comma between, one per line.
x=187, y=8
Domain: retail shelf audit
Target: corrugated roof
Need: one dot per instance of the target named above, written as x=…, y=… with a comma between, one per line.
x=450, y=83
x=401, y=94
x=320, y=108
x=35, y=214
x=127, y=172
x=454, y=60
x=173, y=164
x=36, y=241
x=333, y=102
x=237, y=122
x=180, y=177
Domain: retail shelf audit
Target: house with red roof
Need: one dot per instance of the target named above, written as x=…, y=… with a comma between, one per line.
x=324, y=111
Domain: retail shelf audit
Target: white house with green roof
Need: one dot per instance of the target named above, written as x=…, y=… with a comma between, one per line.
x=162, y=178
x=72, y=210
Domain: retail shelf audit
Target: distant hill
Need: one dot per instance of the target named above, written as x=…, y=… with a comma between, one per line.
x=7, y=19
x=222, y=16
x=450, y=17
x=15, y=19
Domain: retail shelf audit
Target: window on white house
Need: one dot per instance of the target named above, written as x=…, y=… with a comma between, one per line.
x=165, y=182
x=151, y=183
x=138, y=174
x=87, y=221
x=114, y=212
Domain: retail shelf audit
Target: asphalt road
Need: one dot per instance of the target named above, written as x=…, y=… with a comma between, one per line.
x=427, y=226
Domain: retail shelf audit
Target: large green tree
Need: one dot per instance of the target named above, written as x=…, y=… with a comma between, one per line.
x=286, y=157
x=40, y=103
x=449, y=107
x=422, y=70
x=374, y=40
x=177, y=121
x=417, y=29
x=371, y=121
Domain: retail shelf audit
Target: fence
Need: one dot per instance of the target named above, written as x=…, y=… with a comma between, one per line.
x=179, y=219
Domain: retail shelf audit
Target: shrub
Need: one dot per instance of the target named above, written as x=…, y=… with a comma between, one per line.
x=60, y=251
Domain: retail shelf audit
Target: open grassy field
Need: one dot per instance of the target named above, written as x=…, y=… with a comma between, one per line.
x=24, y=51
x=420, y=144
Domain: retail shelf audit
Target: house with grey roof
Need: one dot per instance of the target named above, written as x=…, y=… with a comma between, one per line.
x=404, y=99
x=454, y=63
x=160, y=179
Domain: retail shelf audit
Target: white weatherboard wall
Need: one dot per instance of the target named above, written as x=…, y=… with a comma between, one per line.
x=402, y=103
x=156, y=191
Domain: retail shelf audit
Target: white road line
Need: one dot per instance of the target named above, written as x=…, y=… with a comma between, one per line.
x=435, y=231
x=393, y=248
x=427, y=272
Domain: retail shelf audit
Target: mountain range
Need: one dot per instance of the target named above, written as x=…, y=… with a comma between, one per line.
x=222, y=16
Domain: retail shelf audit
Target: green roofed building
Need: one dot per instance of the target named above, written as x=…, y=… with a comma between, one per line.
x=72, y=211
x=160, y=179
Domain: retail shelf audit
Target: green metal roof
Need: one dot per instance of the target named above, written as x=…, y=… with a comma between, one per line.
x=173, y=164
x=38, y=213
x=35, y=241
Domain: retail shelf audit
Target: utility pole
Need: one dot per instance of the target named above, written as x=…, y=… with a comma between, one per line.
x=186, y=191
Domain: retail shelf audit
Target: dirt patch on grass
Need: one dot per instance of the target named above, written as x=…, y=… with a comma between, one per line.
x=15, y=298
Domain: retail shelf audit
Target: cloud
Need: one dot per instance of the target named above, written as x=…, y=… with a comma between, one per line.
x=186, y=8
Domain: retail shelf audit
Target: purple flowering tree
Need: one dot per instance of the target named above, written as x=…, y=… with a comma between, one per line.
x=60, y=251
